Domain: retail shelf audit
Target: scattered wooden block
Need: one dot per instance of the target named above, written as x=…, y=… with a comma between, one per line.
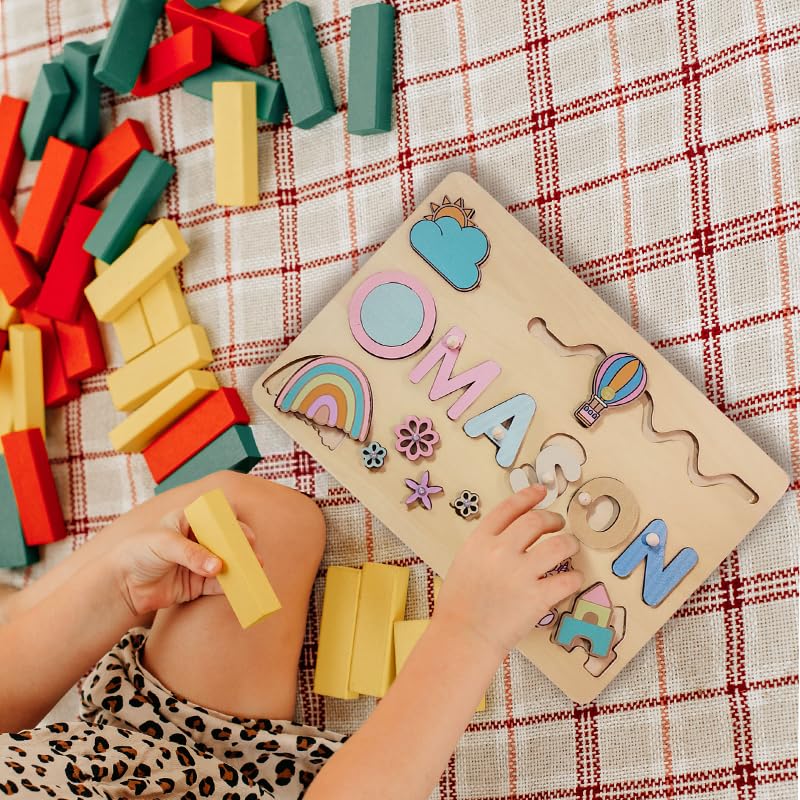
x=202, y=3
x=302, y=70
x=270, y=97
x=34, y=487
x=19, y=281
x=8, y=314
x=236, y=144
x=14, y=551
x=194, y=431
x=369, y=86
x=237, y=38
x=164, y=307
x=126, y=44
x=6, y=394
x=81, y=123
x=240, y=7
x=52, y=195
x=242, y=578
x=174, y=59
x=133, y=434
x=81, y=346
x=26, y=366
x=137, y=194
x=12, y=154
x=58, y=388
x=140, y=379
x=62, y=296
x=46, y=109
x=381, y=603
x=234, y=450
x=111, y=159
x=337, y=628
x=138, y=269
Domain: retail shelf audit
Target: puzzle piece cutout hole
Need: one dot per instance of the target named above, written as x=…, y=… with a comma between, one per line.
x=602, y=513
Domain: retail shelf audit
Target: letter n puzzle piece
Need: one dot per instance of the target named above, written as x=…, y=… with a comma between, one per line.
x=650, y=546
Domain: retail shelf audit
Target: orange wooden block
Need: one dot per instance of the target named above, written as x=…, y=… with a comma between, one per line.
x=50, y=199
x=175, y=59
x=192, y=432
x=12, y=111
x=34, y=487
x=58, y=388
x=110, y=159
x=81, y=346
x=19, y=281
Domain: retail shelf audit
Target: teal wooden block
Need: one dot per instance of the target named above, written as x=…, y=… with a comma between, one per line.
x=369, y=87
x=126, y=213
x=270, y=97
x=302, y=71
x=46, y=109
x=202, y=3
x=127, y=43
x=81, y=123
x=233, y=450
x=13, y=550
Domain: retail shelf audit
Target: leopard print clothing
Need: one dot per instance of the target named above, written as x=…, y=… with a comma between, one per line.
x=136, y=739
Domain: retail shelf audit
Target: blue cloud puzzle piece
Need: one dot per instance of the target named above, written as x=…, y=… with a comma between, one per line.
x=456, y=253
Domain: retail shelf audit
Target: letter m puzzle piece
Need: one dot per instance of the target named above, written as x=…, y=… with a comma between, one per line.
x=650, y=546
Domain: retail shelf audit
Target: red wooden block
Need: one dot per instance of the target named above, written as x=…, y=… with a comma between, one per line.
x=175, y=59
x=34, y=487
x=12, y=111
x=193, y=431
x=19, y=280
x=50, y=199
x=81, y=346
x=58, y=388
x=3, y=340
x=71, y=268
x=237, y=38
x=110, y=159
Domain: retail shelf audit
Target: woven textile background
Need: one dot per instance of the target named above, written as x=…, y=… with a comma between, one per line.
x=655, y=147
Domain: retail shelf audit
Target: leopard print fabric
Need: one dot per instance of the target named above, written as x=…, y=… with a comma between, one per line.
x=136, y=739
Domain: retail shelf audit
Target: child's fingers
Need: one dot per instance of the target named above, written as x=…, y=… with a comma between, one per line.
x=211, y=587
x=188, y=553
x=502, y=515
x=549, y=553
x=525, y=530
x=555, y=588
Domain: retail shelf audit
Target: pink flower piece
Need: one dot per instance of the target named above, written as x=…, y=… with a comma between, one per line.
x=416, y=437
x=421, y=491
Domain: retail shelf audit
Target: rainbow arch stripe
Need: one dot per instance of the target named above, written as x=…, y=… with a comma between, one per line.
x=332, y=392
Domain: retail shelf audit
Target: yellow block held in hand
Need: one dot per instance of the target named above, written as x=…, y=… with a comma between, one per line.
x=236, y=143
x=381, y=603
x=242, y=578
x=25, y=344
x=336, y=632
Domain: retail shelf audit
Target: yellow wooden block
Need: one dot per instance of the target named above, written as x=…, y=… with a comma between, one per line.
x=8, y=314
x=6, y=396
x=381, y=603
x=239, y=6
x=336, y=630
x=242, y=578
x=133, y=434
x=236, y=143
x=138, y=269
x=165, y=307
x=140, y=379
x=25, y=344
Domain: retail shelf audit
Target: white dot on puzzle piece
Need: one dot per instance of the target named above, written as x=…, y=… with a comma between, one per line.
x=499, y=432
x=652, y=539
x=585, y=499
x=453, y=342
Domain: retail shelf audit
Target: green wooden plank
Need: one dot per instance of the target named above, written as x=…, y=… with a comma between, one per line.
x=81, y=123
x=302, y=71
x=202, y=3
x=369, y=87
x=46, y=109
x=13, y=550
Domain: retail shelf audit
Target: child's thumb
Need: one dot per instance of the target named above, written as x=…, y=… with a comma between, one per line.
x=190, y=554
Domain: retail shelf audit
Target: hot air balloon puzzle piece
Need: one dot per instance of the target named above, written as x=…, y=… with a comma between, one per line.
x=650, y=546
x=451, y=243
x=499, y=374
x=415, y=437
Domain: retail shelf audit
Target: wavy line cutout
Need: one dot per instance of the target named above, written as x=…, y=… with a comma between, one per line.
x=538, y=327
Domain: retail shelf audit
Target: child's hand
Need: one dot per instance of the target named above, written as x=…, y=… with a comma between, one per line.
x=159, y=568
x=495, y=587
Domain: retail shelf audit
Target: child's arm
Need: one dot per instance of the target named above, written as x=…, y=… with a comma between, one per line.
x=492, y=597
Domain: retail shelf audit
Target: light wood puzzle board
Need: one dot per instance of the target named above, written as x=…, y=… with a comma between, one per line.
x=521, y=281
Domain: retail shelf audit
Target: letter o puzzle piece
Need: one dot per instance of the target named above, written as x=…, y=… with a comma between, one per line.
x=622, y=527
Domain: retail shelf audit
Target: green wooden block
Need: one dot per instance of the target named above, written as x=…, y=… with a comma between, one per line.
x=270, y=97
x=369, y=87
x=303, y=75
x=234, y=450
x=202, y=3
x=46, y=109
x=81, y=124
x=13, y=550
x=127, y=43
x=137, y=194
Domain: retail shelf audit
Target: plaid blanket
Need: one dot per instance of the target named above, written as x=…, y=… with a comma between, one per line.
x=654, y=145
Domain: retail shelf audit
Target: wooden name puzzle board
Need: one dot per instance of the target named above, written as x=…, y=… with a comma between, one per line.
x=462, y=362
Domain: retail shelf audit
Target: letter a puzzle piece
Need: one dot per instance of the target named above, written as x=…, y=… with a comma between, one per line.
x=242, y=578
x=650, y=546
x=336, y=633
x=12, y=112
x=517, y=412
x=236, y=144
